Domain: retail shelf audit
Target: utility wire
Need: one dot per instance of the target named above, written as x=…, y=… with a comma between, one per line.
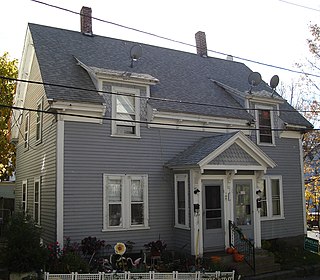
x=299, y=5
x=151, y=123
x=153, y=98
x=179, y=42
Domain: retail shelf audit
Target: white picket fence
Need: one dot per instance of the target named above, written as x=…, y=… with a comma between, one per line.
x=175, y=275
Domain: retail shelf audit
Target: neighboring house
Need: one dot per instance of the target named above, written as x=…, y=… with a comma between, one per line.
x=109, y=156
x=7, y=202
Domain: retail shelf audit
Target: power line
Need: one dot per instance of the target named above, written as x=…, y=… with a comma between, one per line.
x=153, y=98
x=299, y=5
x=148, y=122
x=180, y=42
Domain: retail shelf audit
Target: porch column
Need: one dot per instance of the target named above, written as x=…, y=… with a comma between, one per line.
x=196, y=213
x=257, y=220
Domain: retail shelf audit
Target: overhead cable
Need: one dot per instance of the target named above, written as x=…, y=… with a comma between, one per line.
x=180, y=42
x=152, y=98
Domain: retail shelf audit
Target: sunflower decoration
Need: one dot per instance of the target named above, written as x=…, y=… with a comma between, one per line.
x=120, y=248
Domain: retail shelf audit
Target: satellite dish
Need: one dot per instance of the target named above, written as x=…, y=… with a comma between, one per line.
x=274, y=81
x=254, y=79
x=136, y=52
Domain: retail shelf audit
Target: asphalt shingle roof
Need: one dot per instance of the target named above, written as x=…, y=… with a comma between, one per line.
x=182, y=76
x=199, y=150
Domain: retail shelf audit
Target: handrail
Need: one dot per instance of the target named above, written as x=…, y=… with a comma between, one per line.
x=242, y=244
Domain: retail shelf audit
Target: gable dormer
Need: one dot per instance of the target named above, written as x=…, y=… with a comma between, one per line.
x=125, y=94
x=265, y=107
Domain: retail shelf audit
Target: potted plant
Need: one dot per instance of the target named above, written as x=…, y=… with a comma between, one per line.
x=24, y=253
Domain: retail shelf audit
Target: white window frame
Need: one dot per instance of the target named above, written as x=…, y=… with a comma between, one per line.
x=27, y=131
x=24, y=194
x=39, y=119
x=136, y=94
x=181, y=178
x=269, y=108
x=125, y=202
x=270, y=215
x=37, y=181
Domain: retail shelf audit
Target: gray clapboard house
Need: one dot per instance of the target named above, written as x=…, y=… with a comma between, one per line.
x=104, y=149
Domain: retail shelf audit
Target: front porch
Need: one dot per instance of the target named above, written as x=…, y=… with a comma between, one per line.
x=224, y=175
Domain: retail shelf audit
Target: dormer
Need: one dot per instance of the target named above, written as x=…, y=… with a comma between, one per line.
x=125, y=94
x=265, y=107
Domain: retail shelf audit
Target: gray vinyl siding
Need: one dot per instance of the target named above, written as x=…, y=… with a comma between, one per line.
x=39, y=159
x=286, y=155
x=90, y=152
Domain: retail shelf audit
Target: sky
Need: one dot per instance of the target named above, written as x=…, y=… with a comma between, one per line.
x=267, y=31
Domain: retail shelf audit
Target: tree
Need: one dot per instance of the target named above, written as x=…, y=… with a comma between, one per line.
x=310, y=90
x=8, y=68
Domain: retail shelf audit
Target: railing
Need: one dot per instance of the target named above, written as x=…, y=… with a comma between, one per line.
x=151, y=275
x=242, y=244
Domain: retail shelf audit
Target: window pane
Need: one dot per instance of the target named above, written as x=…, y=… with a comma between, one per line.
x=213, y=223
x=265, y=126
x=114, y=190
x=36, y=192
x=213, y=213
x=275, y=188
x=114, y=214
x=24, y=192
x=136, y=191
x=276, y=207
x=125, y=104
x=181, y=216
x=137, y=217
x=36, y=213
x=181, y=194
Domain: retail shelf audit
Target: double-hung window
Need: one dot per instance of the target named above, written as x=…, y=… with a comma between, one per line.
x=26, y=131
x=125, y=202
x=271, y=198
x=264, y=118
x=37, y=192
x=125, y=112
x=39, y=121
x=24, y=200
x=181, y=200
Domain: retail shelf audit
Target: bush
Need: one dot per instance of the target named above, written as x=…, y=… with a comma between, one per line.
x=66, y=260
x=24, y=253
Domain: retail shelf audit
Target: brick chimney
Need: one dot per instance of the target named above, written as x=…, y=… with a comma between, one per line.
x=86, y=20
x=201, y=44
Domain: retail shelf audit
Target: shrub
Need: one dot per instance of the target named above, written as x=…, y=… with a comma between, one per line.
x=24, y=253
x=65, y=260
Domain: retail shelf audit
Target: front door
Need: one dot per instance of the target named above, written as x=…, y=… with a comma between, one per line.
x=213, y=221
x=243, y=207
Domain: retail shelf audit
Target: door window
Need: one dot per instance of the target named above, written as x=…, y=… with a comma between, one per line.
x=242, y=204
x=213, y=217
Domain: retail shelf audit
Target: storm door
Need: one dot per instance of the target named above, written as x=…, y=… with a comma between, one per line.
x=213, y=223
x=243, y=207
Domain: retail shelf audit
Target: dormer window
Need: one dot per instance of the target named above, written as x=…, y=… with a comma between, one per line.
x=125, y=112
x=265, y=125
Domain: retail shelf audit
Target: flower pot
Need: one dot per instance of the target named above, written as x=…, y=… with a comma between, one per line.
x=238, y=257
x=230, y=250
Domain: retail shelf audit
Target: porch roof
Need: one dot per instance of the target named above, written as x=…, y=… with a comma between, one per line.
x=223, y=151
